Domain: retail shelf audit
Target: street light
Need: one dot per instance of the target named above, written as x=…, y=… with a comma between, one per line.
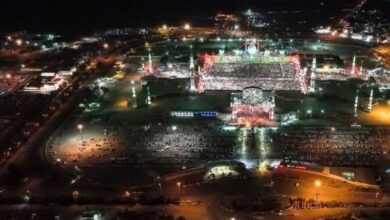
x=126, y=194
x=178, y=185
x=164, y=27
x=317, y=184
x=80, y=127
x=187, y=26
x=106, y=46
x=75, y=194
x=19, y=42
x=26, y=198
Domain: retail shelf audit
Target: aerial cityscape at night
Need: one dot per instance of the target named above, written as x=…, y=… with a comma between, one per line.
x=202, y=110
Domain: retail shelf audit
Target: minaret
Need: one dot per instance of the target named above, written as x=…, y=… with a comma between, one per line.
x=192, y=70
x=272, y=114
x=192, y=85
x=150, y=62
x=353, y=65
x=314, y=64
x=355, y=107
x=272, y=111
x=313, y=76
x=192, y=82
x=304, y=85
x=192, y=66
x=148, y=99
x=369, y=107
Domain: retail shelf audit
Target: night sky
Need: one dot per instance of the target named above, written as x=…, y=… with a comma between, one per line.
x=86, y=15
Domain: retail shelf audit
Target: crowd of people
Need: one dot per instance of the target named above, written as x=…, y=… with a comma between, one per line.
x=251, y=70
x=170, y=145
x=235, y=76
x=341, y=146
x=175, y=146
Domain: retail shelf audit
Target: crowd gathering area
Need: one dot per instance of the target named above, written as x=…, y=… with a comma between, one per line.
x=161, y=141
x=152, y=145
x=236, y=76
x=186, y=145
x=333, y=146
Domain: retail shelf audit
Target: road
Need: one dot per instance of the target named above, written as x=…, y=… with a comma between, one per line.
x=201, y=212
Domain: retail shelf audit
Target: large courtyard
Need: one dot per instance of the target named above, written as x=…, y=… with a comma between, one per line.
x=115, y=136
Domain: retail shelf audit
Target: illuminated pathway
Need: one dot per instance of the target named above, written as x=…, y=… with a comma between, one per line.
x=263, y=143
x=253, y=146
x=242, y=146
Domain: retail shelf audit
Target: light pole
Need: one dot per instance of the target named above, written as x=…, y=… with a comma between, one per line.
x=126, y=194
x=19, y=42
x=317, y=185
x=75, y=194
x=178, y=185
x=187, y=27
x=80, y=127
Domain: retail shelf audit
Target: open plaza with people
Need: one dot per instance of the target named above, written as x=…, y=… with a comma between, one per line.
x=133, y=127
x=334, y=146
